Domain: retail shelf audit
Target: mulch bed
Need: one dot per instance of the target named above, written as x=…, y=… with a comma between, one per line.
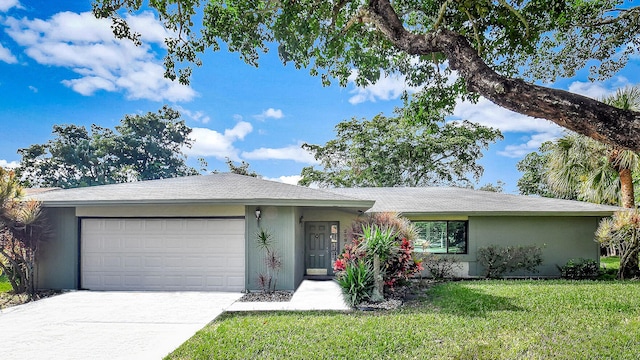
x=276, y=296
x=8, y=299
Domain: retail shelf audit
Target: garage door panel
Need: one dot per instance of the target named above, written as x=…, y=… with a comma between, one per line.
x=151, y=262
x=132, y=243
x=133, y=262
x=111, y=226
x=162, y=254
x=235, y=280
x=155, y=243
x=151, y=225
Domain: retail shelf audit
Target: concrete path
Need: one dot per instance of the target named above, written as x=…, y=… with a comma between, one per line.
x=310, y=295
x=133, y=325
x=108, y=325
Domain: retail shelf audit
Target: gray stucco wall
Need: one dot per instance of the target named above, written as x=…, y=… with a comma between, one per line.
x=57, y=262
x=299, y=248
x=561, y=239
x=288, y=231
x=280, y=221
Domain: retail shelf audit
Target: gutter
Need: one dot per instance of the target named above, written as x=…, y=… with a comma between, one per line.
x=248, y=202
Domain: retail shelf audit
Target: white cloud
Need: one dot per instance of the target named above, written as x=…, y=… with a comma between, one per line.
x=90, y=84
x=589, y=89
x=531, y=144
x=598, y=90
x=388, y=87
x=292, y=179
x=5, y=5
x=9, y=164
x=209, y=142
x=87, y=46
x=7, y=56
x=489, y=114
x=197, y=116
x=270, y=113
x=33, y=88
x=291, y=152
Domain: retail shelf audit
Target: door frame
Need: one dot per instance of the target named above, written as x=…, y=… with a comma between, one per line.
x=333, y=247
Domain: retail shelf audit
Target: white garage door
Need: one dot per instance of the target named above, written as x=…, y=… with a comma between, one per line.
x=162, y=254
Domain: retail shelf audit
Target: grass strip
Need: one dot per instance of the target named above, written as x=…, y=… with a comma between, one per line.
x=456, y=320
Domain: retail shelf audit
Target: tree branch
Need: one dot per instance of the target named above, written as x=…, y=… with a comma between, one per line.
x=578, y=113
x=624, y=13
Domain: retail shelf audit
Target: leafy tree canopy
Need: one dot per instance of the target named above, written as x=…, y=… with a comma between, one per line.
x=496, y=48
x=241, y=169
x=577, y=167
x=142, y=147
x=408, y=150
x=533, y=180
x=498, y=187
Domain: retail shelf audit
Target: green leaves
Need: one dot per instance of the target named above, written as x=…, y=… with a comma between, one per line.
x=22, y=227
x=356, y=282
x=143, y=147
x=622, y=231
x=379, y=240
x=415, y=148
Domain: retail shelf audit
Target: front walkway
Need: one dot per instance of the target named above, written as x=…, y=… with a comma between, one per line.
x=310, y=295
x=133, y=325
x=108, y=325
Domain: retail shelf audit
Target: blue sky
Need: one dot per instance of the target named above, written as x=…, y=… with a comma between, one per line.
x=59, y=65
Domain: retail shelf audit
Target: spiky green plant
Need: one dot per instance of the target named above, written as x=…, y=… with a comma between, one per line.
x=357, y=282
x=272, y=261
x=622, y=230
x=379, y=240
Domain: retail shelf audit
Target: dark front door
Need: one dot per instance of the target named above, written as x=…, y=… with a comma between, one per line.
x=321, y=238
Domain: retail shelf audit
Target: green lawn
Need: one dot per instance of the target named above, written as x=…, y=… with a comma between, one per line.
x=5, y=286
x=456, y=320
x=610, y=262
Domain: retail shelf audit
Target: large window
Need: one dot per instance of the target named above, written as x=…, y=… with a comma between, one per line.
x=441, y=237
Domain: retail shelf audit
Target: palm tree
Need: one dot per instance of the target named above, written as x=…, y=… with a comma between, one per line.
x=583, y=168
x=625, y=161
x=21, y=229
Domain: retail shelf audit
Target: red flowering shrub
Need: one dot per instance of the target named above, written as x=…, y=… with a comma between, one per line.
x=402, y=266
x=397, y=263
x=350, y=254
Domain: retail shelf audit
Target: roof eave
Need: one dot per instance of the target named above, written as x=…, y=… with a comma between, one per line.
x=367, y=204
x=595, y=213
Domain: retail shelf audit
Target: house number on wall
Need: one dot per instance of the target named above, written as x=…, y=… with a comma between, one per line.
x=334, y=243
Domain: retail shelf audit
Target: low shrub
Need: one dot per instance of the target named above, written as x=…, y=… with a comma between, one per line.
x=441, y=267
x=357, y=282
x=500, y=260
x=375, y=237
x=580, y=269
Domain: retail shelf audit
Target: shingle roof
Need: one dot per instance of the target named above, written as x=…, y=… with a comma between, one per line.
x=447, y=200
x=215, y=188
x=229, y=188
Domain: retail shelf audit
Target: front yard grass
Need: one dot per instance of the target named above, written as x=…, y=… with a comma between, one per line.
x=610, y=262
x=456, y=320
x=5, y=286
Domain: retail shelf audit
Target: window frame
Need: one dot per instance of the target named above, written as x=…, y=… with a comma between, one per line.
x=466, y=234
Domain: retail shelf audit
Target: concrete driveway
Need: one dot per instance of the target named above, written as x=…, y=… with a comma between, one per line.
x=108, y=325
